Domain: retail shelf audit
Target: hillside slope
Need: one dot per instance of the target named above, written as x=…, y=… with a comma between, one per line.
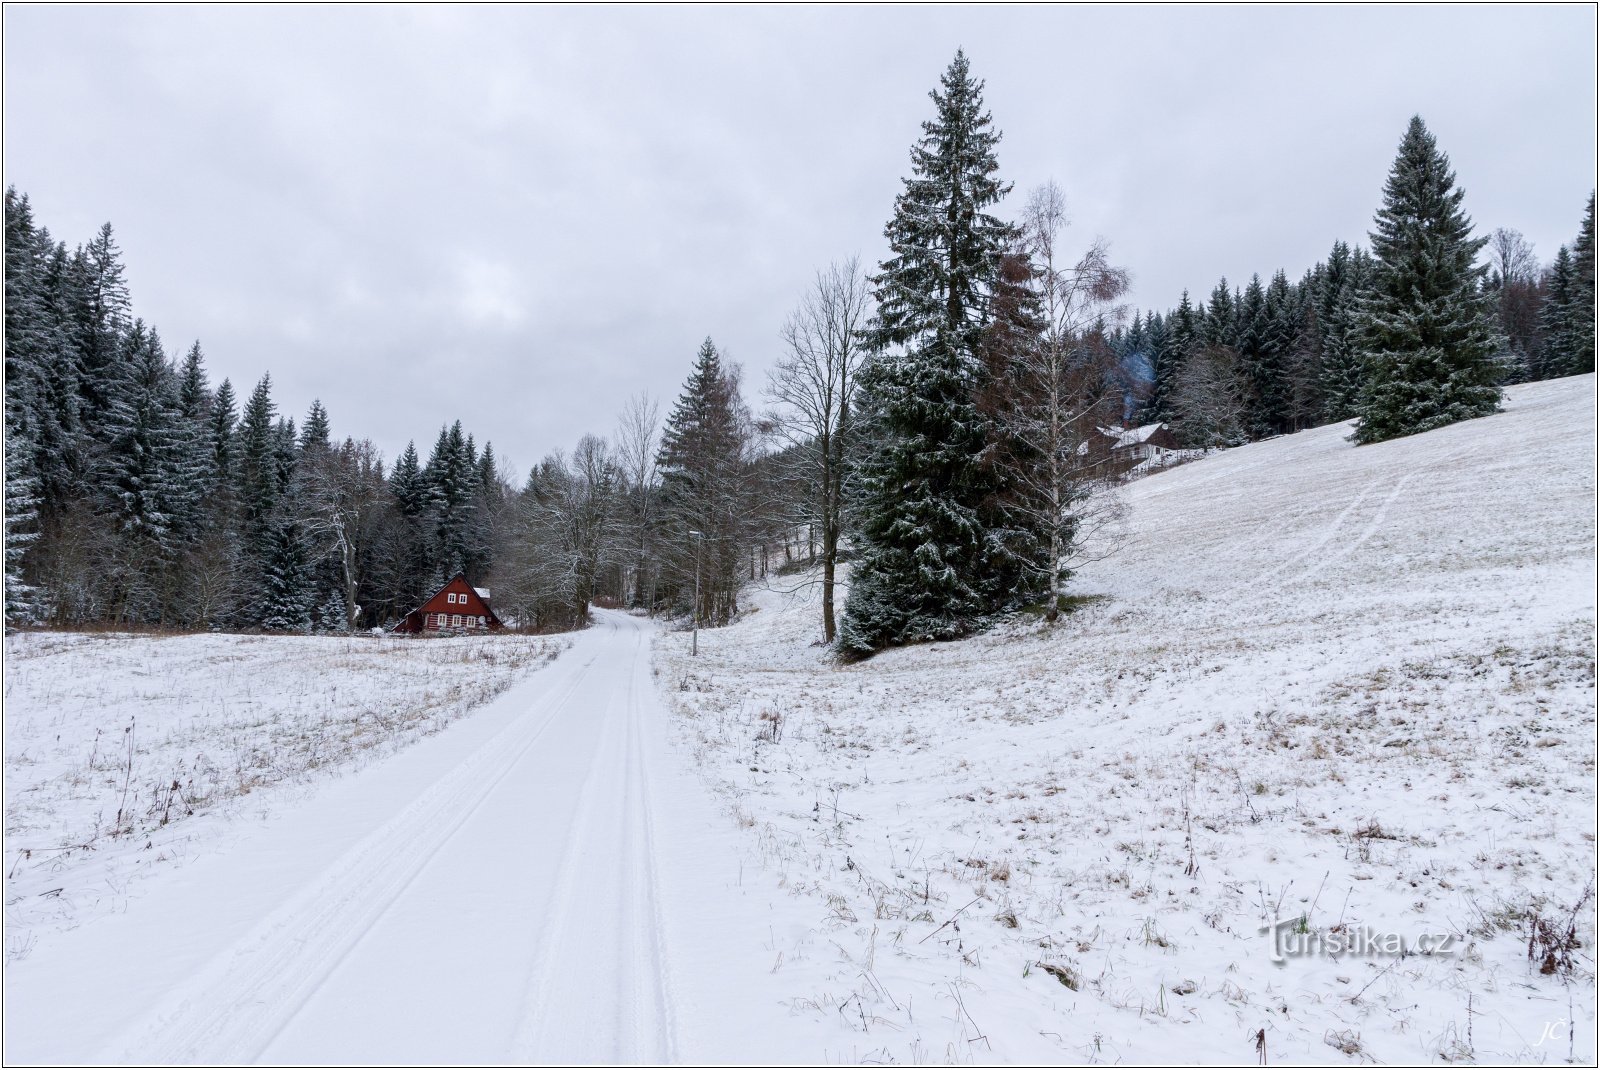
x=1346, y=690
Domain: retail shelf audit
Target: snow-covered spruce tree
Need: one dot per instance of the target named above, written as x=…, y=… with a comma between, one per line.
x=1581, y=321
x=1555, y=319
x=1261, y=363
x=150, y=476
x=1428, y=332
x=285, y=591
x=1339, y=291
x=453, y=479
x=705, y=477
x=316, y=433
x=21, y=518
x=1172, y=344
x=256, y=467
x=1221, y=326
x=927, y=567
x=101, y=312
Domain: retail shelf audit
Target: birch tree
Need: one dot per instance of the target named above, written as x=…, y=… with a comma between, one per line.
x=1063, y=387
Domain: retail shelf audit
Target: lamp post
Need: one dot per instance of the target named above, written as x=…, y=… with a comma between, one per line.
x=694, y=642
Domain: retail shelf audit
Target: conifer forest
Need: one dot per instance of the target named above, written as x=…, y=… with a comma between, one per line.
x=931, y=415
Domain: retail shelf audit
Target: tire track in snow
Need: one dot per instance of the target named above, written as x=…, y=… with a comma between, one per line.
x=245, y=997
x=534, y=1025
x=602, y=993
x=1372, y=528
x=651, y=925
x=1329, y=533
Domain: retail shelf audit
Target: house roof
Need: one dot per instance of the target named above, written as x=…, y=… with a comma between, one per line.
x=458, y=580
x=1138, y=435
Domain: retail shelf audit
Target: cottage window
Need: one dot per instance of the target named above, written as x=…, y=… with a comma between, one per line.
x=451, y=598
x=455, y=621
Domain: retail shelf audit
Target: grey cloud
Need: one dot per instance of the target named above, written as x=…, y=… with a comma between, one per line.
x=519, y=216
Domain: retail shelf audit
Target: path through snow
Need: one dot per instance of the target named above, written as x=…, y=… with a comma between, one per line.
x=546, y=887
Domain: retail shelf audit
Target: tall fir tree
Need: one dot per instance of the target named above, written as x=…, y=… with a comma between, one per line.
x=928, y=565
x=1172, y=341
x=1221, y=327
x=1581, y=353
x=1338, y=300
x=1428, y=330
x=703, y=477
x=318, y=431
x=1261, y=362
x=1560, y=352
x=257, y=465
x=221, y=423
x=102, y=311
x=194, y=394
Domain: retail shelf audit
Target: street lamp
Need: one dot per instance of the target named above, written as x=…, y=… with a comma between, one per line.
x=694, y=643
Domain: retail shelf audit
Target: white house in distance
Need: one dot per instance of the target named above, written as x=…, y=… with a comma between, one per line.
x=1137, y=445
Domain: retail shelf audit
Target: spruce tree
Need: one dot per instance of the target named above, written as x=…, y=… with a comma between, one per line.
x=285, y=598
x=1172, y=339
x=102, y=310
x=413, y=500
x=928, y=567
x=1338, y=298
x=1186, y=326
x=1581, y=322
x=194, y=396
x=1221, y=328
x=703, y=482
x=1261, y=361
x=257, y=465
x=1427, y=330
x=1556, y=320
x=224, y=415
x=21, y=521
x=317, y=432
x=143, y=458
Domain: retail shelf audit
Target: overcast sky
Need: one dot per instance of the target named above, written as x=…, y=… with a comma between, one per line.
x=517, y=217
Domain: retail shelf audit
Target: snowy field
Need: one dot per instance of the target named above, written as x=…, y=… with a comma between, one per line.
x=128, y=752
x=1349, y=692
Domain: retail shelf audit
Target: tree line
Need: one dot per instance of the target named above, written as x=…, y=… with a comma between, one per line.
x=139, y=494
x=938, y=423
x=1268, y=359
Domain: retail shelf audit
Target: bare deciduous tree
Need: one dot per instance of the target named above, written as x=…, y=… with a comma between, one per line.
x=1514, y=275
x=1063, y=388
x=341, y=494
x=810, y=389
x=638, y=439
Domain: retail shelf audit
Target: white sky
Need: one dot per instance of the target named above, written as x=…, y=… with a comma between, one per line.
x=517, y=217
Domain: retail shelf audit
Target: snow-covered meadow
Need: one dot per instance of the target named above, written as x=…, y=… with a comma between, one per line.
x=122, y=749
x=1350, y=692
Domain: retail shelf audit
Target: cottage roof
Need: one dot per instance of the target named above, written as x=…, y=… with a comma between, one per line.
x=1138, y=435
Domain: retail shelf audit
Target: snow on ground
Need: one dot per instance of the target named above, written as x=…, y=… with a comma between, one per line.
x=1349, y=691
x=125, y=752
x=543, y=881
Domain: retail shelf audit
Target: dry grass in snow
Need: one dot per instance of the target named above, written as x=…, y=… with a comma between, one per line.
x=114, y=742
x=1345, y=691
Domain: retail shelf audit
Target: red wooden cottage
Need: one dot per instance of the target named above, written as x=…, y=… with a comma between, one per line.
x=457, y=607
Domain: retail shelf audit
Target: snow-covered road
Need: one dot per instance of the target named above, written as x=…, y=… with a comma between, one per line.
x=547, y=886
